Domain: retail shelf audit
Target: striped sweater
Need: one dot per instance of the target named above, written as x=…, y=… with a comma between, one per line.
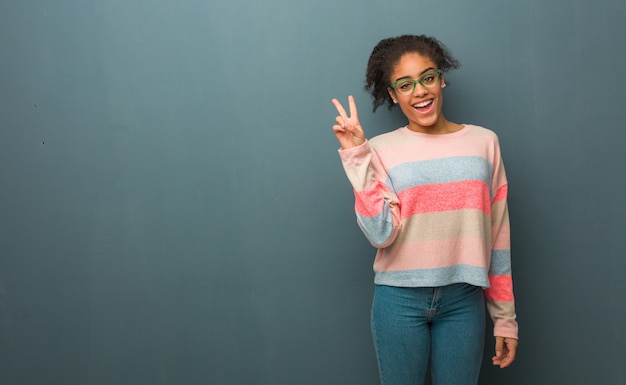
x=435, y=207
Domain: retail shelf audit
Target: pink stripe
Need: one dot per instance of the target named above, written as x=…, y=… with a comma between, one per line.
x=502, y=237
x=501, y=194
x=501, y=288
x=440, y=197
x=397, y=152
x=432, y=254
x=370, y=201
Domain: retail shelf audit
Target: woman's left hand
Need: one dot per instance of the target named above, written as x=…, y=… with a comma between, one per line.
x=505, y=352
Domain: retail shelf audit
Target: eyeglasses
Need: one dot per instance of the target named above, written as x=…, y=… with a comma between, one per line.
x=428, y=80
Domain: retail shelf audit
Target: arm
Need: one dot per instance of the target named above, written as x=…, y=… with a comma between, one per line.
x=500, y=299
x=499, y=296
x=376, y=205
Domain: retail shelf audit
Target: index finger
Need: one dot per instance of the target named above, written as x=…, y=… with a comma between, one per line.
x=340, y=109
x=508, y=360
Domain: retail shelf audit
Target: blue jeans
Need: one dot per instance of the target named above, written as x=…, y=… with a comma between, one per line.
x=413, y=326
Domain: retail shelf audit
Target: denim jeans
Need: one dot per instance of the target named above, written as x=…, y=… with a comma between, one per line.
x=415, y=326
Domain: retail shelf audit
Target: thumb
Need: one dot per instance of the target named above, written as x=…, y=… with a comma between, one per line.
x=499, y=346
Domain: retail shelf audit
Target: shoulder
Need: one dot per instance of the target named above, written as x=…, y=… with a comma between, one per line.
x=482, y=136
x=482, y=131
x=387, y=139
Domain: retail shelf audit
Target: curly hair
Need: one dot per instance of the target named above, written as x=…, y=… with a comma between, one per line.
x=389, y=51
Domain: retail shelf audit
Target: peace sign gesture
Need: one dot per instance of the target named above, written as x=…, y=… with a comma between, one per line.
x=348, y=129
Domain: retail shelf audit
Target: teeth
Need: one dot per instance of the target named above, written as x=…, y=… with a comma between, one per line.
x=423, y=104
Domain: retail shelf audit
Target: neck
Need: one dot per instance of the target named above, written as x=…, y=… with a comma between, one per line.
x=441, y=127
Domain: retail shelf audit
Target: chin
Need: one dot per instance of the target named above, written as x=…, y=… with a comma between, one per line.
x=427, y=122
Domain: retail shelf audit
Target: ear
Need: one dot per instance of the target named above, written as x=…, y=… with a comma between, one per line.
x=443, y=80
x=392, y=93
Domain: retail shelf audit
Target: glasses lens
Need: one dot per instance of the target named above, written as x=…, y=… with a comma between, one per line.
x=405, y=86
x=430, y=78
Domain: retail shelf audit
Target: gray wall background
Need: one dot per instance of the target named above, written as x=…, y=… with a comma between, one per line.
x=173, y=210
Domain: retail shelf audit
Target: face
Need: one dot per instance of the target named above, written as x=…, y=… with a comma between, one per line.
x=423, y=105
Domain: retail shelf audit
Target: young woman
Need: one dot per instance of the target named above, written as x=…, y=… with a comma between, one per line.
x=432, y=198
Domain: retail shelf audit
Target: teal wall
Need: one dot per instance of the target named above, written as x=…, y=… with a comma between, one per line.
x=173, y=209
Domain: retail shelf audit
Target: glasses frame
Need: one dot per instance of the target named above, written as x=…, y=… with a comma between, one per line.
x=418, y=80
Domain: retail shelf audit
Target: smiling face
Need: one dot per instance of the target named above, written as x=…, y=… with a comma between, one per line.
x=423, y=106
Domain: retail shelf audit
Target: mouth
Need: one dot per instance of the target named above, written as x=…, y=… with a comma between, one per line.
x=424, y=106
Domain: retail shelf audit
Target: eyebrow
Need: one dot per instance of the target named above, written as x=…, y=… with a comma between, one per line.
x=423, y=72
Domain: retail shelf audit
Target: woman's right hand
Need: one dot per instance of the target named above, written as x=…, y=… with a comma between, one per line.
x=348, y=130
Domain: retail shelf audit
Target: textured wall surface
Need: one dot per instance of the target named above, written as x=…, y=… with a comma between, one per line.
x=173, y=209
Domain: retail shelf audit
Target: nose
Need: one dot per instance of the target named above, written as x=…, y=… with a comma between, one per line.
x=419, y=90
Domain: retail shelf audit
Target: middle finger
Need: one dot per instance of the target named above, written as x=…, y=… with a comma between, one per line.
x=340, y=109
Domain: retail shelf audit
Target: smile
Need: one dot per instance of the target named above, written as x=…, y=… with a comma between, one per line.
x=424, y=107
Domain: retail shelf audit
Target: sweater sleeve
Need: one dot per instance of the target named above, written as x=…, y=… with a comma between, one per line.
x=376, y=205
x=499, y=296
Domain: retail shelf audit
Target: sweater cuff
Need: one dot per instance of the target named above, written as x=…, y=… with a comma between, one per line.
x=505, y=328
x=354, y=155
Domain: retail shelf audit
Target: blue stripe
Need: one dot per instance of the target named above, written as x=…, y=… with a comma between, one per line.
x=500, y=262
x=377, y=229
x=443, y=170
x=434, y=277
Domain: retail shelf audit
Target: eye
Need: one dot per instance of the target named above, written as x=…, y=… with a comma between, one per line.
x=428, y=79
x=404, y=85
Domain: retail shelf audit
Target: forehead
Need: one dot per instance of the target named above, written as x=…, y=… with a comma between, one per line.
x=411, y=64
